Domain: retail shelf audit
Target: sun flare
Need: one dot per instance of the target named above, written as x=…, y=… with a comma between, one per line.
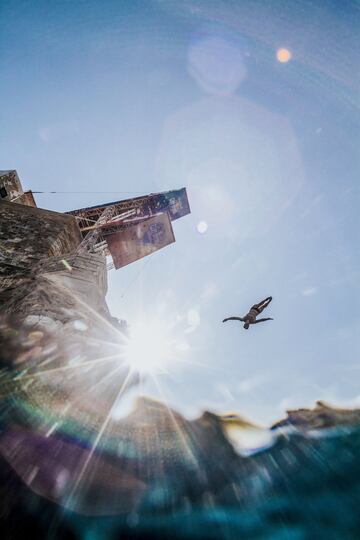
x=150, y=348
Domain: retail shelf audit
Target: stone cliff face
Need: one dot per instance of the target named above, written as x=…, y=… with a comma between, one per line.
x=54, y=315
x=41, y=274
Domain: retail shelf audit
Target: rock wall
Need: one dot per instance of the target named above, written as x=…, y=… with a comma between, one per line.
x=67, y=280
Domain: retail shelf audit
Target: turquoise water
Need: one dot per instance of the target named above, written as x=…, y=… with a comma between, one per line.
x=306, y=486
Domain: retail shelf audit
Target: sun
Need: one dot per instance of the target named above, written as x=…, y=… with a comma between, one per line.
x=149, y=348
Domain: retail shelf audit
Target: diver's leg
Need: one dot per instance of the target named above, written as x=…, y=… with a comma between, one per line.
x=263, y=304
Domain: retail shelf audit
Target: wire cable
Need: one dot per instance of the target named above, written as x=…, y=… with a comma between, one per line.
x=135, y=278
x=85, y=192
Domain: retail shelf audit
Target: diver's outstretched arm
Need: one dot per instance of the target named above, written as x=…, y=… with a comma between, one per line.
x=234, y=319
x=262, y=320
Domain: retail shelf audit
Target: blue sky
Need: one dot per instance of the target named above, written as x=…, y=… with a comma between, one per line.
x=144, y=96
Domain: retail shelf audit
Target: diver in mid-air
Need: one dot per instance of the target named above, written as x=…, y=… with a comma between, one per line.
x=250, y=318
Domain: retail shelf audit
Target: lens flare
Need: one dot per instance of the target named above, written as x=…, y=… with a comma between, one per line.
x=202, y=227
x=283, y=55
x=149, y=348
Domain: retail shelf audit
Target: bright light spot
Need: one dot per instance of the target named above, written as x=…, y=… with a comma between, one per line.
x=283, y=55
x=149, y=348
x=202, y=227
x=248, y=439
x=80, y=325
x=66, y=265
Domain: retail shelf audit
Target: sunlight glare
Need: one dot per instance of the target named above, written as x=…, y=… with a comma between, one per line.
x=149, y=348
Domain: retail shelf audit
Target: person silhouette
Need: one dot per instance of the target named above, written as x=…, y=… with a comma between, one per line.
x=250, y=317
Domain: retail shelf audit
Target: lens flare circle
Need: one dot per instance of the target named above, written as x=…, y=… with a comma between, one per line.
x=202, y=227
x=283, y=55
